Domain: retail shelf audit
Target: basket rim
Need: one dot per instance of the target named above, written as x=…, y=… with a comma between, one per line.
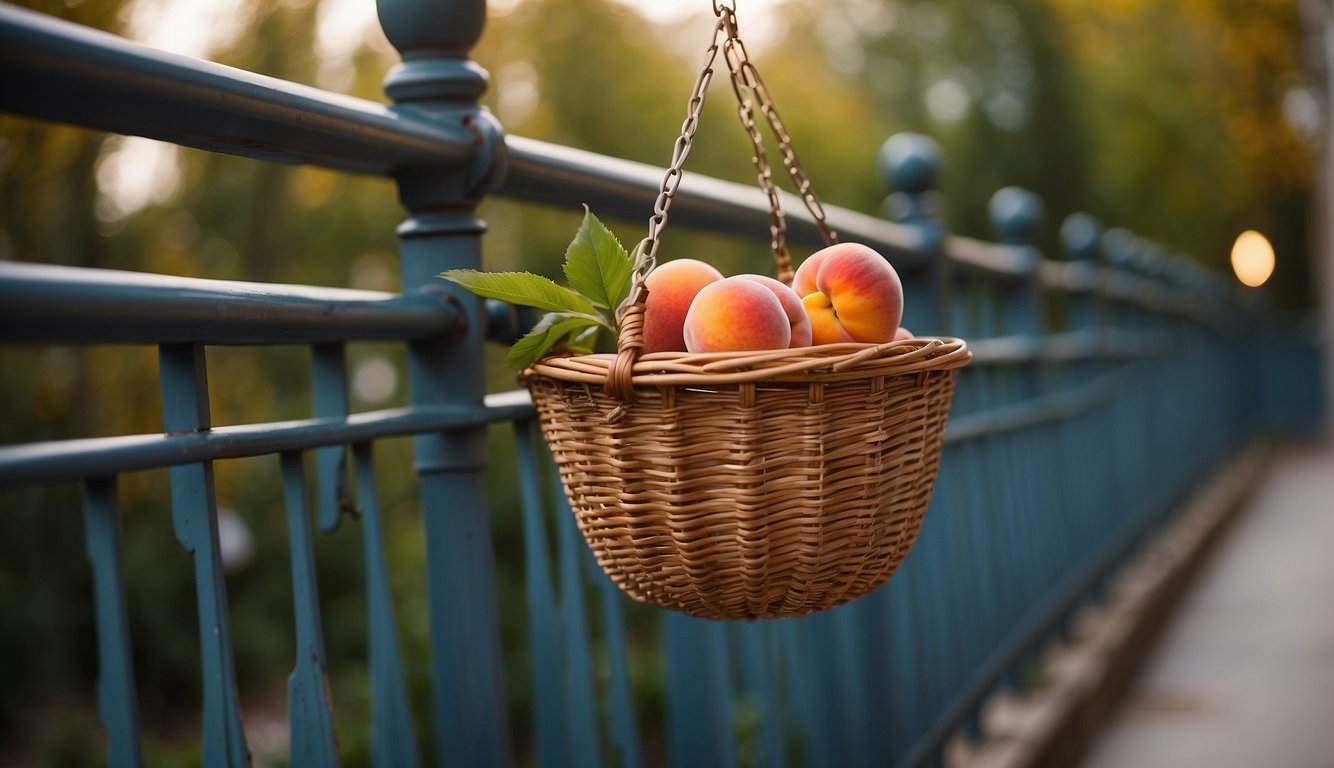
x=825, y=362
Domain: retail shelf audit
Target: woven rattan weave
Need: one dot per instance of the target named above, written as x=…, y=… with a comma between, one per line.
x=773, y=485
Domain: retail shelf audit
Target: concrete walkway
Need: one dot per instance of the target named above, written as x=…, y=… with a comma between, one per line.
x=1243, y=676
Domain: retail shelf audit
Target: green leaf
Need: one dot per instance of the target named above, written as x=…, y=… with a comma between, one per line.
x=522, y=288
x=597, y=265
x=546, y=334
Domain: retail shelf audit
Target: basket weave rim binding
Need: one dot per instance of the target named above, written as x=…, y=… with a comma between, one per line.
x=827, y=362
x=748, y=485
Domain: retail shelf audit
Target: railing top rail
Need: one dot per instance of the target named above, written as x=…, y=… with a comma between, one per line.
x=42, y=303
x=57, y=70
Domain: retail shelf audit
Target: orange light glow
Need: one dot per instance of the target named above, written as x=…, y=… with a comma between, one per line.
x=1252, y=258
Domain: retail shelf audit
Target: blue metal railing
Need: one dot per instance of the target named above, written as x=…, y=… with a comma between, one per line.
x=1065, y=449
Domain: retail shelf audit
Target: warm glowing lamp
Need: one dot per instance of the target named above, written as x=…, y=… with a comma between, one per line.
x=1252, y=258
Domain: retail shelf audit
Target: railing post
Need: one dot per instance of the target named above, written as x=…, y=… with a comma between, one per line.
x=437, y=80
x=909, y=163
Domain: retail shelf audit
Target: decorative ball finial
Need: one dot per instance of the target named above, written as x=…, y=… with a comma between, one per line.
x=1118, y=247
x=909, y=162
x=1151, y=259
x=1016, y=214
x=434, y=38
x=1080, y=233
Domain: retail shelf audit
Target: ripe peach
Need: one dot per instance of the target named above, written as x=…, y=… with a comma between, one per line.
x=803, y=282
x=796, y=313
x=736, y=315
x=902, y=334
x=672, y=285
x=857, y=295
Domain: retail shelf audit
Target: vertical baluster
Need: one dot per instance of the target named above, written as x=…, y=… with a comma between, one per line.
x=760, y=671
x=909, y=164
x=437, y=80
x=624, y=736
x=544, y=638
x=309, y=699
x=117, y=701
x=917, y=604
x=185, y=408
x=329, y=389
x=904, y=646
x=800, y=688
x=1016, y=215
x=828, y=694
x=395, y=739
x=579, y=699
x=1086, y=487
x=850, y=647
x=700, y=718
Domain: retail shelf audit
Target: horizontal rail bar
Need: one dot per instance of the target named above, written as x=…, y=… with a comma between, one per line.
x=56, y=70
x=59, y=460
x=106, y=456
x=992, y=259
x=1056, y=406
x=58, y=305
x=1070, y=346
x=558, y=175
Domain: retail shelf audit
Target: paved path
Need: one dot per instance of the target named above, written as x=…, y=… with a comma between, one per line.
x=1243, y=676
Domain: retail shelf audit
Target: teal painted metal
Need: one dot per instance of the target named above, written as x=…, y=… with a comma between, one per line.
x=1025, y=525
x=117, y=702
x=329, y=384
x=103, y=306
x=72, y=459
x=63, y=72
x=393, y=734
x=550, y=733
x=580, y=706
x=437, y=81
x=185, y=408
x=309, y=700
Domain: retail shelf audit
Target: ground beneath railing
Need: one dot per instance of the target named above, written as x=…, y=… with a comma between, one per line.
x=1244, y=673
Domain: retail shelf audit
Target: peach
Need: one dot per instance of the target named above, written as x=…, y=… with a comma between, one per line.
x=857, y=295
x=902, y=334
x=672, y=285
x=736, y=315
x=796, y=313
x=803, y=282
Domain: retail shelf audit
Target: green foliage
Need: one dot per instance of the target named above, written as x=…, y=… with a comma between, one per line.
x=597, y=265
x=599, y=271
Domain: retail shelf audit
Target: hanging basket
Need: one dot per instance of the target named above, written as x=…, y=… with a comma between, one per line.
x=753, y=485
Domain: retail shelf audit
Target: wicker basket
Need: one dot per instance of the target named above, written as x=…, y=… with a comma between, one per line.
x=762, y=485
x=772, y=485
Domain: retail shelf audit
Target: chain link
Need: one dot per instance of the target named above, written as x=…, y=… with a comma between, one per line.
x=750, y=90
x=745, y=77
x=646, y=253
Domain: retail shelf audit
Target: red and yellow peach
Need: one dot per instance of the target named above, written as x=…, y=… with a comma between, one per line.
x=672, y=286
x=796, y=313
x=736, y=315
x=850, y=294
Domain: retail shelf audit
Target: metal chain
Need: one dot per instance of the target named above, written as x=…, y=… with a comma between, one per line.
x=646, y=253
x=745, y=79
